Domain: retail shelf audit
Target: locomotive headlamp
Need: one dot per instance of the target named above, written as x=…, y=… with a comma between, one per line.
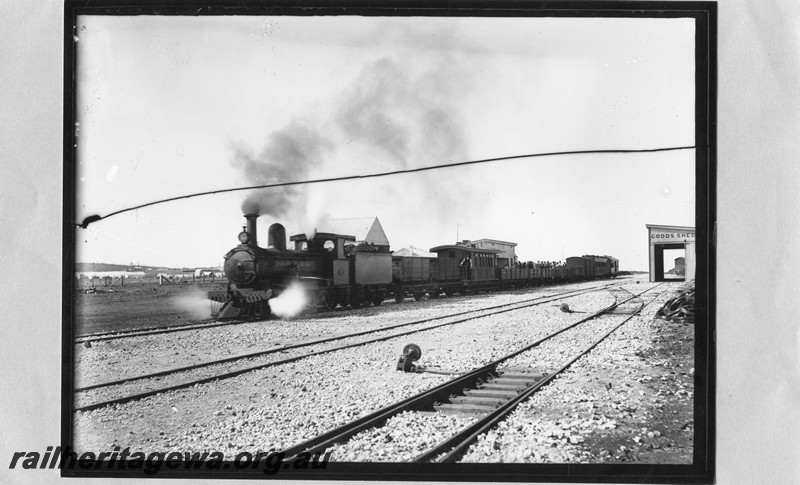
x=244, y=237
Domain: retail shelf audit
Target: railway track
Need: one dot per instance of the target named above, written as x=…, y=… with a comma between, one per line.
x=487, y=394
x=157, y=330
x=103, y=336
x=211, y=376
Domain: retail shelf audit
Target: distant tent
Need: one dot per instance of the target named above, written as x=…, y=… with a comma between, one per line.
x=412, y=251
x=364, y=229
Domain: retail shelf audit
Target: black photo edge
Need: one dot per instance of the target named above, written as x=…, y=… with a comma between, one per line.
x=705, y=14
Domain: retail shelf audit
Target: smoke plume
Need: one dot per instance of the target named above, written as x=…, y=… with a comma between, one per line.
x=289, y=155
x=409, y=112
x=399, y=111
x=408, y=115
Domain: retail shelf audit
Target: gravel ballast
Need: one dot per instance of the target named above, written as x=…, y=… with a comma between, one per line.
x=112, y=392
x=546, y=358
x=629, y=400
x=280, y=406
x=402, y=438
x=276, y=407
x=132, y=356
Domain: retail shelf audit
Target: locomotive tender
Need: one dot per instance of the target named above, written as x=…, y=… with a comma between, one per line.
x=335, y=269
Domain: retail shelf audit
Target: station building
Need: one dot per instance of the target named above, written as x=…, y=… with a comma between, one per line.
x=662, y=238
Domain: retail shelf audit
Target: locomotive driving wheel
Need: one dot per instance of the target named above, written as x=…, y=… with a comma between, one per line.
x=263, y=309
x=333, y=300
x=323, y=301
x=378, y=296
x=369, y=296
x=355, y=299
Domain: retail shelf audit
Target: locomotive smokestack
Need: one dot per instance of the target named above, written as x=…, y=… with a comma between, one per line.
x=251, y=229
x=277, y=237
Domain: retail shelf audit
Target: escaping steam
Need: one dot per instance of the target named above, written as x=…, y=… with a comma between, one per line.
x=195, y=304
x=289, y=303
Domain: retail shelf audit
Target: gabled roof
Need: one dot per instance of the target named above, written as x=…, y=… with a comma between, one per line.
x=364, y=229
x=412, y=251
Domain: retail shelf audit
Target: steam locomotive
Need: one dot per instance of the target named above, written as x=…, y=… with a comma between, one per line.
x=335, y=269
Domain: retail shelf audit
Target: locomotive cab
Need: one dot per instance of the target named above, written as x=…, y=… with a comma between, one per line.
x=351, y=262
x=332, y=248
x=323, y=243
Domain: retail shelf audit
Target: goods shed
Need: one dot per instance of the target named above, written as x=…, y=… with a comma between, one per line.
x=662, y=238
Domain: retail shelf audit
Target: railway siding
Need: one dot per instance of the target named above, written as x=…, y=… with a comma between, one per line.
x=133, y=356
x=629, y=400
x=558, y=350
x=574, y=418
x=329, y=387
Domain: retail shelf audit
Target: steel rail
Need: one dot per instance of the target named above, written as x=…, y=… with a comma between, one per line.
x=259, y=353
x=226, y=375
x=459, y=443
x=138, y=332
x=103, y=336
x=427, y=398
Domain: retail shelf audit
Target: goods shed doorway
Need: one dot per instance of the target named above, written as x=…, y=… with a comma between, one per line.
x=665, y=267
x=678, y=242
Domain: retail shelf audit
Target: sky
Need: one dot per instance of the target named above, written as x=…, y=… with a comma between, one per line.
x=170, y=106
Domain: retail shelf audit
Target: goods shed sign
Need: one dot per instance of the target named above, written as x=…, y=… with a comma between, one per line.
x=668, y=235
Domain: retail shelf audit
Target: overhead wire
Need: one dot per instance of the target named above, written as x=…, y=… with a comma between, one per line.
x=94, y=218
